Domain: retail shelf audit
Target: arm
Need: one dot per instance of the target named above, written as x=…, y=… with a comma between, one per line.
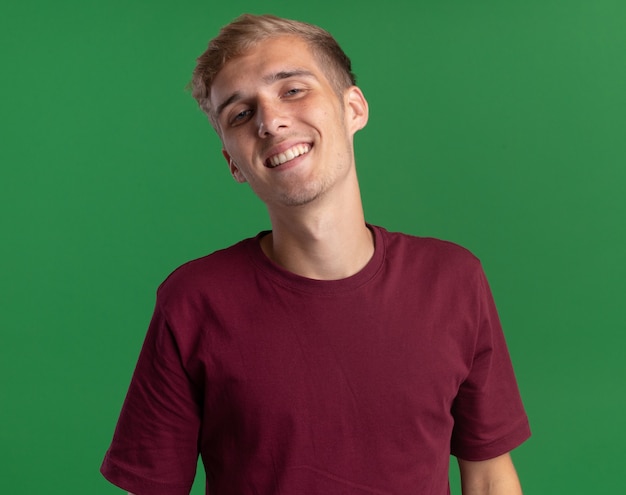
x=495, y=476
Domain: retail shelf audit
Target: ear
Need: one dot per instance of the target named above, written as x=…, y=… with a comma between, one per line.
x=357, y=110
x=234, y=170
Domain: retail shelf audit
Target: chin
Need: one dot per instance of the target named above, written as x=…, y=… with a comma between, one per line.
x=300, y=198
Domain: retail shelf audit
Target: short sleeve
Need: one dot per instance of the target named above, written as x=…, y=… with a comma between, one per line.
x=488, y=412
x=155, y=446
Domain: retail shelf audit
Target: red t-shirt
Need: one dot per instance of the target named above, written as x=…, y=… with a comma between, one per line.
x=292, y=386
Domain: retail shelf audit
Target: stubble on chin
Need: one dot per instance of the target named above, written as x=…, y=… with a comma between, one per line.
x=300, y=198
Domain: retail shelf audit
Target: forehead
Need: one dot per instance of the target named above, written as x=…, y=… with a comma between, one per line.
x=260, y=61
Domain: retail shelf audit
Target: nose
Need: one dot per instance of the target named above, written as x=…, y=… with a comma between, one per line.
x=271, y=119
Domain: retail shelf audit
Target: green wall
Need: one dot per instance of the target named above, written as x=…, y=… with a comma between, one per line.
x=498, y=125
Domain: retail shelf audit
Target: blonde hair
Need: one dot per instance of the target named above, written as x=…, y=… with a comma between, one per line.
x=247, y=30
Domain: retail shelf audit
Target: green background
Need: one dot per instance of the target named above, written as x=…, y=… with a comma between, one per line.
x=495, y=124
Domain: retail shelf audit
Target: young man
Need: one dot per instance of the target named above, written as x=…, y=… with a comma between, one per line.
x=327, y=356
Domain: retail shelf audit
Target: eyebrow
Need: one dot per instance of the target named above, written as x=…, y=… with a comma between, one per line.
x=286, y=74
x=269, y=79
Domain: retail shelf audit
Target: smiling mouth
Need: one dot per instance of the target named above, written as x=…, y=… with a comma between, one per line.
x=287, y=155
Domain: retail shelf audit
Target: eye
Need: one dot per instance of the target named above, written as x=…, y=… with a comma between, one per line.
x=241, y=116
x=294, y=92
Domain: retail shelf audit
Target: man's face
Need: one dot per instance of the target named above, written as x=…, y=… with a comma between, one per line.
x=284, y=129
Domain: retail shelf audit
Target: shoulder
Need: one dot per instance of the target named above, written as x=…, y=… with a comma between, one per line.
x=214, y=272
x=429, y=250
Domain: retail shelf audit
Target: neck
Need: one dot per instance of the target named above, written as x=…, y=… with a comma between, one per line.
x=319, y=240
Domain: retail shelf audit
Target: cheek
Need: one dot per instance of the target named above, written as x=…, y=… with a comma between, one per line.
x=236, y=144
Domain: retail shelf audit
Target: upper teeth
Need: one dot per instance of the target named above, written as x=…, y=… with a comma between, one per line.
x=290, y=154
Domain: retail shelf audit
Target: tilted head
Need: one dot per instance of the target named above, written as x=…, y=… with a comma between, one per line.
x=247, y=30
